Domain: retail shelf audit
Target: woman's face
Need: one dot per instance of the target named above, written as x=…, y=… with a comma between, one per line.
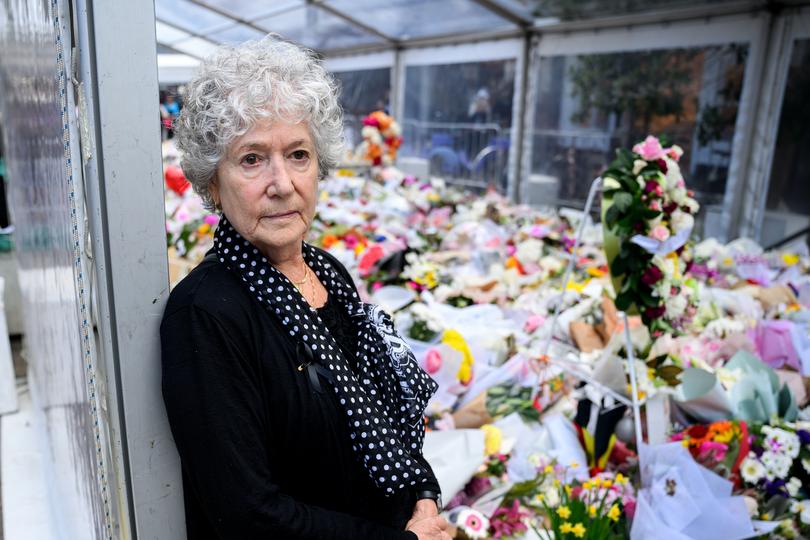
x=267, y=185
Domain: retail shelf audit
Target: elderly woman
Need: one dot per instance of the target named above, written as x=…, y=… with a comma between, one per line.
x=296, y=408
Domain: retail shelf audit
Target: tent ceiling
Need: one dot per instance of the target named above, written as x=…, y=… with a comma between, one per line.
x=195, y=27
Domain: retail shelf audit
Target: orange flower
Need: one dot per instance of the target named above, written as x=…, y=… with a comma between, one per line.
x=512, y=262
x=383, y=120
x=329, y=240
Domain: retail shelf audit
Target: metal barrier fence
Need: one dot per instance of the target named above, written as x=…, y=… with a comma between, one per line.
x=473, y=155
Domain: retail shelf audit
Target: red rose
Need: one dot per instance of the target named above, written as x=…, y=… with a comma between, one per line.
x=652, y=275
x=697, y=431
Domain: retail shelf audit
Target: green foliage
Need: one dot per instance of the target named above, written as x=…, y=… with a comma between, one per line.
x=505, y=399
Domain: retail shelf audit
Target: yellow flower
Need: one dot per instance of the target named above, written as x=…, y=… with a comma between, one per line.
x=492, y=439
x=641, y=393
x=454, y=340
x=568, y=490
x=556, y=483
x=548, y=469
x=433, y=197
x=574, y=464
x=765, y=517
x=565, y=528
x=203, y=229
x=587, y=485
x=540, y=498
x=579, y=530
x=595, y=272
x=724, y=437
x=597, y=482
x=607, y=483
x=592, y=510
x=578, y=287
x=614, y=512
x=564, y=512
x=790, y=259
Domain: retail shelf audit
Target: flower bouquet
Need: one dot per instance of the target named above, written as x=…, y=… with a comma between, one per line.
x=648, y=216
x=381, y=139
x=778, y=470
x=720, y=446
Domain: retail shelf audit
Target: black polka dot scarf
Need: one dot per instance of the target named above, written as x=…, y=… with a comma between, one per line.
x=384, y=398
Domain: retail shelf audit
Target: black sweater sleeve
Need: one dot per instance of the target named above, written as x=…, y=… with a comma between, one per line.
x=215, y=408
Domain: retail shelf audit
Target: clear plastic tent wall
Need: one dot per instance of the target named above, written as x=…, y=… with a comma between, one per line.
x=573, y=82
x=47, y=208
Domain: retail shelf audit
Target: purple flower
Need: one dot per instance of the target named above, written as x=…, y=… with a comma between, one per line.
x=776, y=487
x=804, y=436
x=477, y=486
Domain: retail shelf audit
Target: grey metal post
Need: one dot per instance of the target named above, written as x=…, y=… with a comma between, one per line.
x=124, y=182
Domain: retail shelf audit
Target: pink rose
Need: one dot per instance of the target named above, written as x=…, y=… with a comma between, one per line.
x=675, y=152
x=650, y=149
x=655, y=205
x=433, y=361
x=533, y=323
x=660, y=233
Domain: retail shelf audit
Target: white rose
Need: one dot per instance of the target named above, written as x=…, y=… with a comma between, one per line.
x=611, y=183
x=806, y=464
x=638, y=165
x=681, y=221
x=673, y=173
x=676, y=306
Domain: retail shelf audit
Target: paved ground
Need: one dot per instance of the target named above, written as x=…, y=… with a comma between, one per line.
x=19, y=372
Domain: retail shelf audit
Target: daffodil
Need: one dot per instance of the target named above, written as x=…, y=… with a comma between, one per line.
x=565, y=528
x=564, y=512
x=579, y=530
x=614, y=513
x=548, y=469
x=592, y=510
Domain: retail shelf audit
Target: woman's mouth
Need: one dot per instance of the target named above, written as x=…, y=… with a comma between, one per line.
x=281, y=215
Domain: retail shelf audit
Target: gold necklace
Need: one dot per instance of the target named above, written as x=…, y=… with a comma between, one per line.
x=299, y=284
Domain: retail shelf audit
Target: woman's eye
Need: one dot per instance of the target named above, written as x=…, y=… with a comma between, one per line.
x=250, y=159
x=300, y=155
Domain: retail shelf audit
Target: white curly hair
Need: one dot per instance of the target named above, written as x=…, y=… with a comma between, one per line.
x=238, y=85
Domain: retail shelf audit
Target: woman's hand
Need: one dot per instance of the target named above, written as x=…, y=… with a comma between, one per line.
x=431, y=528
x=424, y=508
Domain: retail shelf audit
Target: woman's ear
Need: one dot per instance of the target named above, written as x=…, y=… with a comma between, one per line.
x=213, y=189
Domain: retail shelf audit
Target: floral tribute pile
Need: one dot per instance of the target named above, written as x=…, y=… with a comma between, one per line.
x=530, y=442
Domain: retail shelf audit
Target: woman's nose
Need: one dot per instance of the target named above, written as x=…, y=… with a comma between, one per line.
x=280, y=183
